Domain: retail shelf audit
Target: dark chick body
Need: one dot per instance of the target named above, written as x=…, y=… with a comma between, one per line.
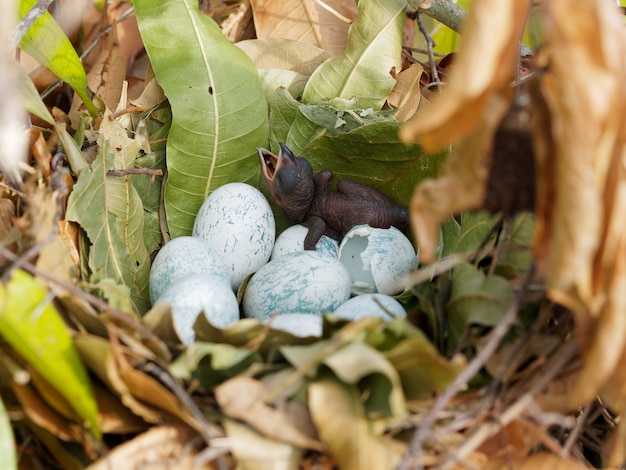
x=307, y=200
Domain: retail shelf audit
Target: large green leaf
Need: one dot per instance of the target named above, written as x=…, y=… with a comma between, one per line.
x=219, y=110
x=110, y=211
x=31, y=324
x=46, y=42
x=360, y=76
x=374, y=155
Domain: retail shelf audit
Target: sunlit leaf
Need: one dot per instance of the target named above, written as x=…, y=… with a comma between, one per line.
x=362, y=72
x=47, y=43
x=31, y=324
x=219, y=110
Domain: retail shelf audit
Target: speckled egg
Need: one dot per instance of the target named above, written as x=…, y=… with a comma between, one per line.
x=301, y=282
x=370, y=305
x=198, y=293
x=377, y=259
x=182, y=257
x=292, y=240
x=298, y=324
x=238, y=223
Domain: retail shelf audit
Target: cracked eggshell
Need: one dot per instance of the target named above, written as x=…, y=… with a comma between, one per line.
x=238, y=223
x=292, y=240
x=377, y=259
x=180, y=257
x=298, y=324
x=301, y=282
x=370, y=305
x=198, y=293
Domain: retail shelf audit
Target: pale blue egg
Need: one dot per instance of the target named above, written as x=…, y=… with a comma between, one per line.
x=298, y=324
x=292, y=239
x=301, y=282
x=199, y=293
x=238, y=223
x=370, y=305
x=182, y=257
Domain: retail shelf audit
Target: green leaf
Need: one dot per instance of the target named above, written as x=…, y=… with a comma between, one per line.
x=46, y=42
x=474, y=228
x=475, y=299
x=373, y=154
x=32, y=101
x=219, y=110
x=211, y=364
x=422, y=370
x=8, y=448
x=361, y=75
x=32, y=326
x=110, y=211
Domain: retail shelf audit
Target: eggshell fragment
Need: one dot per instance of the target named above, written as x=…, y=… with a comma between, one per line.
x=238, y=223
x=377, y=259
x=198, y=293
x=180, y=257
x=298, y=324
x=370, y=305
x=292, y=240
x=301, y=282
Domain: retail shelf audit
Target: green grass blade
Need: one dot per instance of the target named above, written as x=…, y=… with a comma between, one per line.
x=46, y=42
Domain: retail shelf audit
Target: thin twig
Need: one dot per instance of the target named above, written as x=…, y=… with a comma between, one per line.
x=477, y=363
x=136, y=171
x=430, y=44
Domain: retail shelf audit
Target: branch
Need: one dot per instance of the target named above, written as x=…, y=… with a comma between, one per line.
x=449, y=14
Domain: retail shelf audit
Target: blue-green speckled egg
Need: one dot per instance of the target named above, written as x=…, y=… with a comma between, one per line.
x=182, y=257
x=292, y=239
x=238, y=223
x=198, y=293
x=301, y=282
x=298, y=324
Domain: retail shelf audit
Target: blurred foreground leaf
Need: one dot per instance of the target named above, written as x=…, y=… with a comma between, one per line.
x=31, y=324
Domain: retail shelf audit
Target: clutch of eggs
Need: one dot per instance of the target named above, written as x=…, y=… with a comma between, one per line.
x=234, y=236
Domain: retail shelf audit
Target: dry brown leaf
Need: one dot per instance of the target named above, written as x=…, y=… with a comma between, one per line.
x=406, y=93
x=161, y=447
x=484, y=66
x=580, y=242
x=467, y=113
x=43, y=415
x=306, y=21
x=541, y=461
x=242, y=398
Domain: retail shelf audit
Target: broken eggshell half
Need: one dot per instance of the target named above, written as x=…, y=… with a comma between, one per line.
x=377, y=259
